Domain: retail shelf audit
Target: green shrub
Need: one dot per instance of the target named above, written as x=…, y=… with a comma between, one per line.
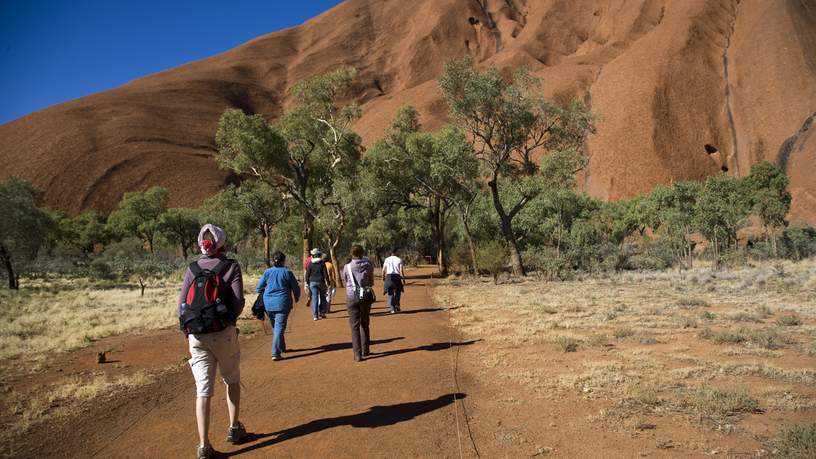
x=492, y=256
x=798, y=242
x=789, y=320
x=623, y=332
x=723, y=404
x=796, y=442
x=689, y=303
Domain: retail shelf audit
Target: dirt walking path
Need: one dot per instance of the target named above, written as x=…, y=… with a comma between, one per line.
x=318, y=402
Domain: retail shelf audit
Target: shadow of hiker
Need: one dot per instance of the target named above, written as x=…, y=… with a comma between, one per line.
x=332, y=347
x=426, y=347
x=376, y=416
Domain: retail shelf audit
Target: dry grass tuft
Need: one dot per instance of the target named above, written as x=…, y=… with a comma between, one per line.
x=63, y=398
x=567, y=344
x=691, y=329
x=796, y=442
x=789, y=320
x=64, y=314
x=722, y=405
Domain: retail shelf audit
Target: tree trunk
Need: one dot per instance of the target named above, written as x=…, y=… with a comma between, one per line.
x=442, y=246
x=149, y=240
x=142, y=285
x=438, y=234
x=716, y=251
x=507, y=230
x=183, y=250
x=308, y=234
x=774, y=248
x=14, y=282
x=265, y=231
x=471, y=246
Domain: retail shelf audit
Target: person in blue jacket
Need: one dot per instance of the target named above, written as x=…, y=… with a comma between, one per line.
x=279, y=287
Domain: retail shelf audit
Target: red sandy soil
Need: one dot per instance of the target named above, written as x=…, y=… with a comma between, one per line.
x=316, y=402
x=666, y=77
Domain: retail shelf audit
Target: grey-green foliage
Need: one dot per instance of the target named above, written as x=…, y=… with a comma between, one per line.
x=798, y=242
x=412, y=168
x=138, y=214
x=265, y=207
x=723, y=204
x=304, y=151
x=83, y=231
x=227, y=211
x=179, y=226
x=491, y=256
x=406, y=229
x=24, y=227
x=510, y=124
x=674, y=212
x=770, y=198
x=768, y=188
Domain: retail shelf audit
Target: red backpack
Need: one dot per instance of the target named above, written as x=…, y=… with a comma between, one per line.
x=203, y=310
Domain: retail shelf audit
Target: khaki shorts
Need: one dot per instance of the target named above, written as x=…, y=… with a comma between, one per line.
x=211, y=350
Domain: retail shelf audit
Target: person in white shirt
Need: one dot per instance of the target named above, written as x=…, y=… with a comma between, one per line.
x=392, y=275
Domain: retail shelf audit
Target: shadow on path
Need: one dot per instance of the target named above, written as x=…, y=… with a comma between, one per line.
x=332, y=347
x=376, y=416
x=426, y=347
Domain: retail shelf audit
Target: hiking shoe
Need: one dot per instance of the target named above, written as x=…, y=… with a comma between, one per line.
x=393, y=311
x=323, y=315
x=205, y=452
x=236, y=433
x=276, y=357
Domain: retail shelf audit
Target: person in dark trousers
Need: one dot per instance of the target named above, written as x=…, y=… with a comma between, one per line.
x=278, y=286
x=358, y=274
x=219, y=349
x=318, y=279
x=392, y=275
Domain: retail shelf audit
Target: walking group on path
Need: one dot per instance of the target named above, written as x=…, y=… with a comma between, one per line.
x=212, y=298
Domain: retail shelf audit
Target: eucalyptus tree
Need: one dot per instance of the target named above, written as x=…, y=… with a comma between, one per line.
x=767, y=186
x=24, y=228
x=672, y=212
x=179, y=226
x=721, y=209
x=415, y=169
x=303, y=153
x=83, y=231
x=138, y=214
x=510, y=126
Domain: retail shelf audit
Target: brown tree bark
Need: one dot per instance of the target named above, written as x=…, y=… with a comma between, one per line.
x=14, y=281
x=266, y=231
x=474, y=268
x=507, y=230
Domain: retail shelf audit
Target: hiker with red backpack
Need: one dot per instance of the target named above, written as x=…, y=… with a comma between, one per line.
x=210, y=302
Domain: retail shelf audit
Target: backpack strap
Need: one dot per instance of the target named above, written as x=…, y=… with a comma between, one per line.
x=195, y=269
x=222, y=265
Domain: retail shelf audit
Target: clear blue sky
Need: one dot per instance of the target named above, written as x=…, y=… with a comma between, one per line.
x=58, y=50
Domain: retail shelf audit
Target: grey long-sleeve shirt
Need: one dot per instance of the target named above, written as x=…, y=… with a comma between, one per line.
x=233, y=296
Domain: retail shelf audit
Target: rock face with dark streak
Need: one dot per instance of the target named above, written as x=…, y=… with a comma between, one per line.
x=684, y=89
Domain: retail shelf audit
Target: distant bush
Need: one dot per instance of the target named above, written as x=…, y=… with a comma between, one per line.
x=796, y=442
x=798, y=242
x=492, y=256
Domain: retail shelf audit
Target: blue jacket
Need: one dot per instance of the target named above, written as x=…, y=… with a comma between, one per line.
x=278, y=284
